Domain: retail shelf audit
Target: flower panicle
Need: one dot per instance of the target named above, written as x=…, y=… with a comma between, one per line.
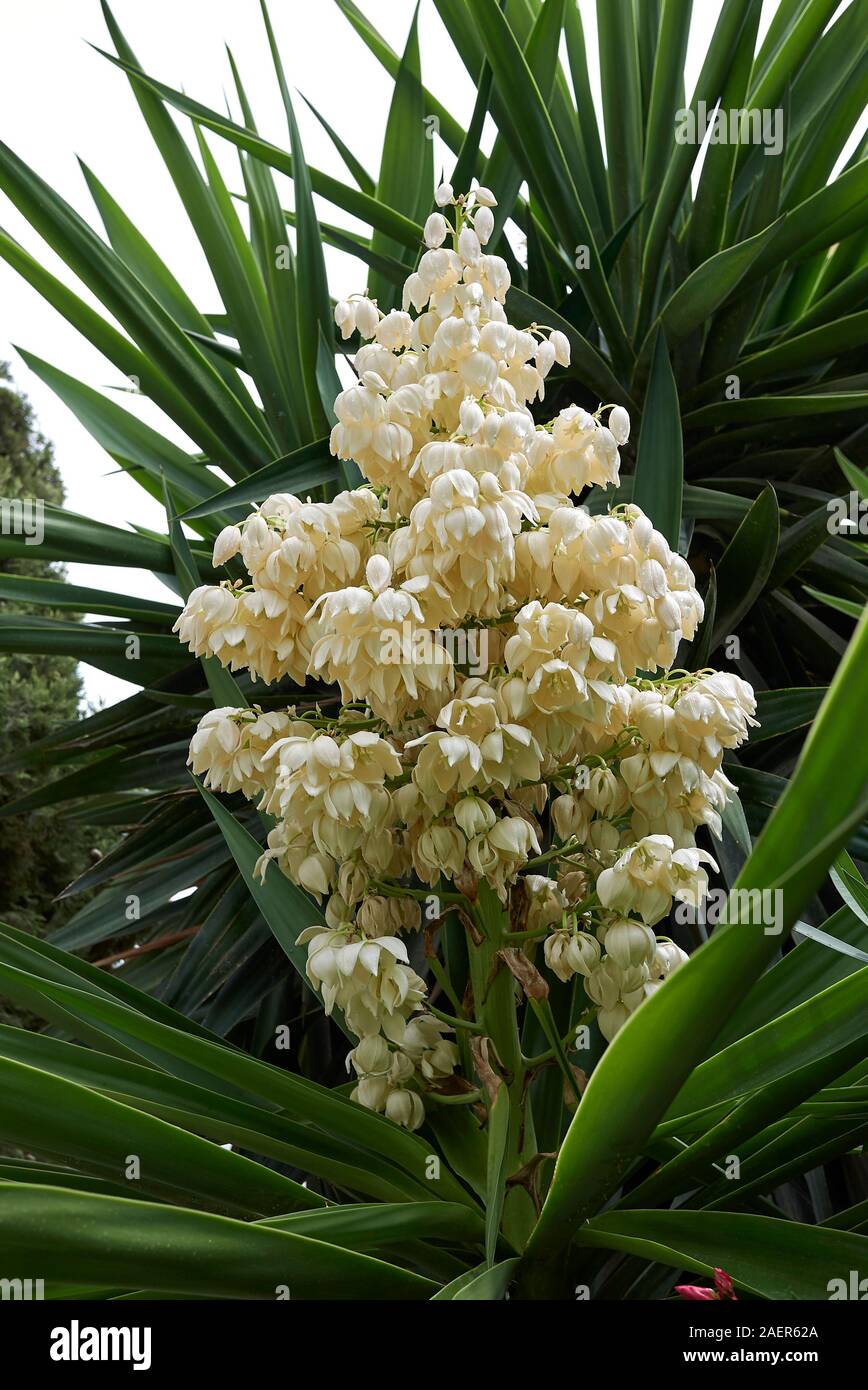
x=502, y=656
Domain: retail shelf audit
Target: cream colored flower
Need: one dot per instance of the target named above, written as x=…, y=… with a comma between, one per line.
x=369, y=979
x=483, y=225
x=569, y=953
x=546, y=901
x=227, y=545
x=297, y=856
x=357, y=314
x=436, y=230
x=619, y=424
x=405, y=1108
x=383, y=1088
x=439, y=850
x=629, y=943
x=334, y=790
x=371, y=1056
x=649, y=874
x=370, y=644
x=476, y=750
x=229, y=747
x=498, y=855
x=214, y=623
x=379, y=916
x=618, y=992
x=667, y=958
x=424, y=1041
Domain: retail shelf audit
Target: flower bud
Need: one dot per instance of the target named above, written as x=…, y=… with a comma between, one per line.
x=544, y=357
x=603, y=836
x=378, y=916
x=443, y=195
x=436, y=230
x=378, y=573
x=367, y=317
x=345, y=317
x=442, y=847
x=611, y=1021
x=373, y=381
x=337, y=914
x=315, y=874
x=483, y=224
x=604, y=792
x=371, y=1092
x=568, y=817
x=583, y=953
x=561, y=344
x=619, y=424
x=408, y=803
x=513, y=835
x=401, y=1069
x=395, y=330
x=482, y=855
x=629, y=943
x=352, y=882
x=468, y=246
x=405, y=1108
x=573, y=883
x=227, y=544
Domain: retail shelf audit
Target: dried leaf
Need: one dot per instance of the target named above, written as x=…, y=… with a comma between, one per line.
x=527, y=974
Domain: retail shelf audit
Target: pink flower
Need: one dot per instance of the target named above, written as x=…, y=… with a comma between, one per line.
x=723, y=1289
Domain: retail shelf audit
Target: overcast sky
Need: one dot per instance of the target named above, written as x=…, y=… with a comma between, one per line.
x=59, y=100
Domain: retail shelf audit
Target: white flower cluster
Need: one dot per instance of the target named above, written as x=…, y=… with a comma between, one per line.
x=368, y=976
x=564, y=750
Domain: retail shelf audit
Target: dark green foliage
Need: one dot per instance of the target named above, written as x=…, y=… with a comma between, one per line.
x=40, y=853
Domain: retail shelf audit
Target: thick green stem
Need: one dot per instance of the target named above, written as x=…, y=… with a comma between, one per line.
x=543, y=1281
x=494, y=997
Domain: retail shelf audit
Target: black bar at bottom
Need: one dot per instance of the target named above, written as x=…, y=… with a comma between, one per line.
x=66, y=1338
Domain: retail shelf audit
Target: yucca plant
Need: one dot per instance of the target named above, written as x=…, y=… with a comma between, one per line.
x=728, y=322
x=133, y=1102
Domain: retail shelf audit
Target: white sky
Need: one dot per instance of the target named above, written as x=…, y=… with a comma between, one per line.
x=60, y=99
